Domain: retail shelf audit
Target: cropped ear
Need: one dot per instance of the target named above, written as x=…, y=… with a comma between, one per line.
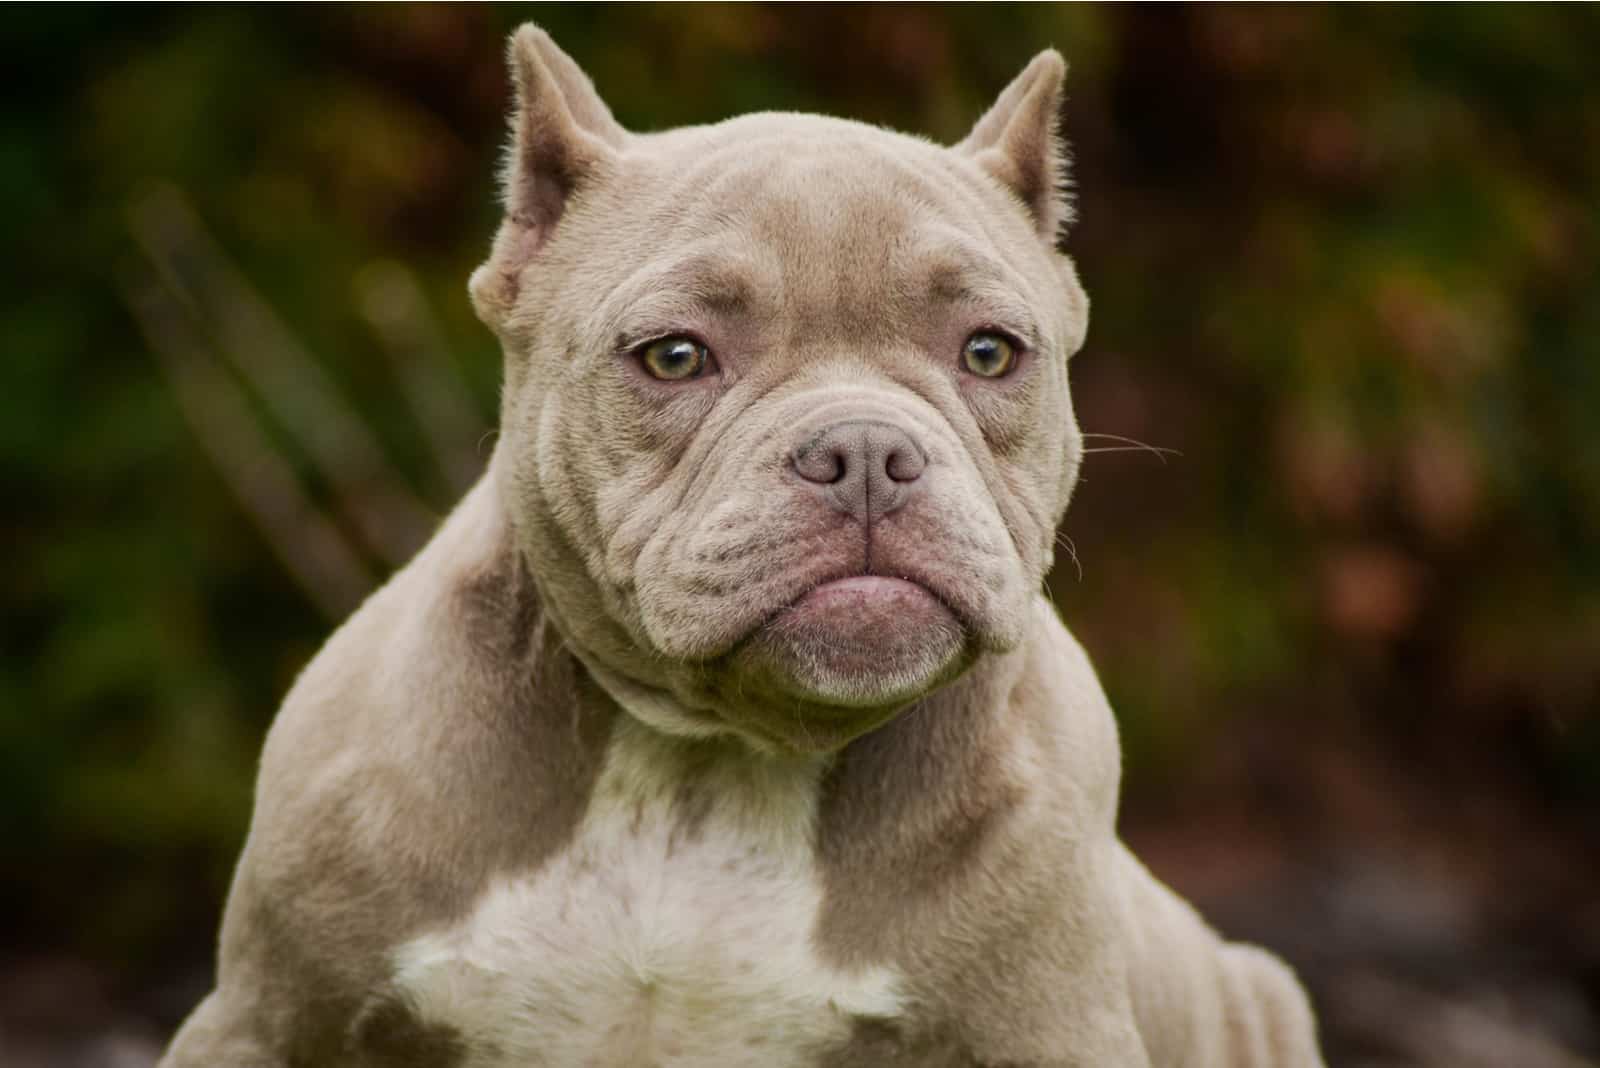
x=1018, y=141
x=562, y=136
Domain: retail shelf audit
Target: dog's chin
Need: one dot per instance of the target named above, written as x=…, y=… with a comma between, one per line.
x=845, y=657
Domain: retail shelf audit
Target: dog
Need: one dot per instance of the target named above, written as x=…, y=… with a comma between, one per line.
x=723, y=723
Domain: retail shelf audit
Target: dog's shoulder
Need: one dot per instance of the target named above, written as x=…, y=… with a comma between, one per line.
x=450, y=666
x=440, y=738
x=972, y=843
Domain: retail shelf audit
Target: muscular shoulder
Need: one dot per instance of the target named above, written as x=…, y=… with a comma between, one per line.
x=436, y=741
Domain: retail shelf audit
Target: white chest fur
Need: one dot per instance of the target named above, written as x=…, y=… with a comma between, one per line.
x=675, y=930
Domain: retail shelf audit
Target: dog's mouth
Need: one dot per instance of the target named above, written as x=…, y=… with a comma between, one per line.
x=863, y=597
x=859, y=641
x=857, y=602
x=827, y=649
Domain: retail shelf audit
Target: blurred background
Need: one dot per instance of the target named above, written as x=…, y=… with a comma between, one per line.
x=1345, y=267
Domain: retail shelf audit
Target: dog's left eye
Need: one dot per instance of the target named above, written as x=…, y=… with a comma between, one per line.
x=988, y=354
x=675, y=359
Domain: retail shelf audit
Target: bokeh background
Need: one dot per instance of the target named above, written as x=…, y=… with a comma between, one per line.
x=1345, y=266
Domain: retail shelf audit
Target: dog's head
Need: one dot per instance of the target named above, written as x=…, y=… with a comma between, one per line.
x=786, y=430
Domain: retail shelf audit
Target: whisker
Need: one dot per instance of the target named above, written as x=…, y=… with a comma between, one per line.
x=1064, y=540
x=1160, y=452
x=1116, y=437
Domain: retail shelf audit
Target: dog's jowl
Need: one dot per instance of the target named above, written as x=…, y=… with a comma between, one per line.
x=724, y=723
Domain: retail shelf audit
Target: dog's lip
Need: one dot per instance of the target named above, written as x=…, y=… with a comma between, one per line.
x=855, y=585
x=865, y=587
x=858, y=587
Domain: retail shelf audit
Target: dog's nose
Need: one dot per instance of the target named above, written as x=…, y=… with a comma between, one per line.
x=864, y=467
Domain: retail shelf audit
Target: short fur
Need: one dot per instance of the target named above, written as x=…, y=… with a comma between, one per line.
x=589, y=783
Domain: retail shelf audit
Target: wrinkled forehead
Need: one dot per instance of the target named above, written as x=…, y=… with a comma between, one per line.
x=816, y=219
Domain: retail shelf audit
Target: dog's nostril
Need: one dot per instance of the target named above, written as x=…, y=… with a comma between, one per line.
x=904, y=464
x=865, y=467
x=821, y=462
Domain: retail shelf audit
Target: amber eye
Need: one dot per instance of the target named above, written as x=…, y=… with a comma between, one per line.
x=989, y=355
x=675, y=359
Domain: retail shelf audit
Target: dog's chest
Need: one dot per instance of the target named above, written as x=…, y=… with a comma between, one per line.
x=675, y=930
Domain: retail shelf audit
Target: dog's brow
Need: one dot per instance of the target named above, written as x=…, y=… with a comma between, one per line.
x=720, y=287
x=712, y=285
x=958, y=276
x=679, y=295
x=706, y=274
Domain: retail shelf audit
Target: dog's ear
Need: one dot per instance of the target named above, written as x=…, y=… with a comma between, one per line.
x=1018, y=141
x=562, y=137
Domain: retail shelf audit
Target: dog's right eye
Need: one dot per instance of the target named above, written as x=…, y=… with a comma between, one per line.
x=675, y=359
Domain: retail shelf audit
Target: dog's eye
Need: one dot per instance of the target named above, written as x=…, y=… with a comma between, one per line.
x=989, y=355
x=675, y=359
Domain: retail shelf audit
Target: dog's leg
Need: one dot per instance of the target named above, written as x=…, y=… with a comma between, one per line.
x=1204, y=1002
x=213, y=1035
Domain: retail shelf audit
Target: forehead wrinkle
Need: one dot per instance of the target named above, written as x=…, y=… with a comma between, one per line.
x=850, y=223
x=842, y=222
x=965, y=193
x=942, y=260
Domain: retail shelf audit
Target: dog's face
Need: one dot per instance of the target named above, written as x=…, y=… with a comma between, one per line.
x=786, y=428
